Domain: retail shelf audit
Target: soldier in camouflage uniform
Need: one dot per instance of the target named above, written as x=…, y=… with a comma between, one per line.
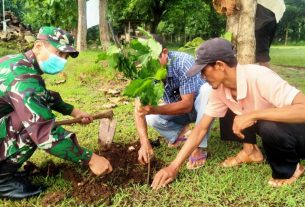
x=26, y=118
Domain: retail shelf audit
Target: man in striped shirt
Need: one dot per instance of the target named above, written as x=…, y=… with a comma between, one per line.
x=184, y=100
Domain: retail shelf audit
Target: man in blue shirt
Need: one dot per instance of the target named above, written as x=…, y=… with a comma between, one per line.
x=184, y=98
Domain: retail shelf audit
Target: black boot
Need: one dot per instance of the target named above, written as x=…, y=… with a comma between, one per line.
x=17, y=187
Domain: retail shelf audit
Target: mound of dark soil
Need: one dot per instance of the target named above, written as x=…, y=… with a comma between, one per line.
x=89, y=189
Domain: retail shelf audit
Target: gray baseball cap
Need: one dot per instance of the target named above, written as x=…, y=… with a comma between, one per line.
x=211, y=51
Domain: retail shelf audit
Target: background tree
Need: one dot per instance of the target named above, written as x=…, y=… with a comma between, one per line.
x=291, y=28
x=37, y=13
x=82, y=26
x=179, y=20
x=241, y=23
x=14, y=6
x=104, y=29
x=150, y=10
x=190, y=19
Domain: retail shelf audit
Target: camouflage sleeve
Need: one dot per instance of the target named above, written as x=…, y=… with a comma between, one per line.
x=28, y=98
x=58, y=104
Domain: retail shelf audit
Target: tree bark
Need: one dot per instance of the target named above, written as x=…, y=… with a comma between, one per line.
x=104, y=29
x=286, y=34
x=242, y=25
x=82, y=26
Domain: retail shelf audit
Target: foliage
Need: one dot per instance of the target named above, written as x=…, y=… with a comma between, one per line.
x=192, y=45
x=196, y=42
x=190, y=19
x=227, y=36
x=11, y=5
x=60, y=13
x=151, y=11
x=292, y=25
x=172, y=18
x=138, y=61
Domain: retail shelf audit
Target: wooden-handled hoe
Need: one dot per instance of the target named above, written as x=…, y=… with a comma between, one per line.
x=106, y=128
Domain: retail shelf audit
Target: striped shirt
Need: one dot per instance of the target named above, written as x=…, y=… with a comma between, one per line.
x=177, y=83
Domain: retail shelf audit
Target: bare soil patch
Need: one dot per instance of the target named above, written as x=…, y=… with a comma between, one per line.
x=89, y=189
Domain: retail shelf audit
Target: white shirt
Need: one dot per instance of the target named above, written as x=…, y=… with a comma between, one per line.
x=276, y=6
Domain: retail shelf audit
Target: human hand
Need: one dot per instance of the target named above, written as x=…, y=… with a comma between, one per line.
x=86, y=118
x=145, y=154
x=99, y=165
x=164, y=176
x=242, y=122
x=142, y=110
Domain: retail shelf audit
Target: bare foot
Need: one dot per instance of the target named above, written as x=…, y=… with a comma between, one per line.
x=280, y=182
x=197, y=159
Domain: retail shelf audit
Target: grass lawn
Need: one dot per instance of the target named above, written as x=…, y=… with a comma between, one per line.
x=288, y=55
x=211, y=185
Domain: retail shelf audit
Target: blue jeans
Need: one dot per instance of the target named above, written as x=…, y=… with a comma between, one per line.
x=170, y=126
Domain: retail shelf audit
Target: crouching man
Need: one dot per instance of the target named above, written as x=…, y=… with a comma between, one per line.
x=185, y=100
x=262, y=102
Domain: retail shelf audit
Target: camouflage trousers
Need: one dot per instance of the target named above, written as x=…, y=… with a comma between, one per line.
x=16, y=145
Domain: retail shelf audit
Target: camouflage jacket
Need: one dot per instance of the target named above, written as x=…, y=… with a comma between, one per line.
x=23, y=90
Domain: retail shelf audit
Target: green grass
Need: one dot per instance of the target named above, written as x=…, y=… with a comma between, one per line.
x=210, y=186
x=288, y=55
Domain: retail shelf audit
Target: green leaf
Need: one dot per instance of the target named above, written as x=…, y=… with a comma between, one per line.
x=158, y=91
x=145, y=85
x=113, y=50
x=149, y=69
x=143, y=42
x=139, y=47
x=144, y=32
x=155, y=48
x=144, y=59
x=51, y=2
x=161, y=74
x=132, y=87
x=227, y=36
x=113, y=60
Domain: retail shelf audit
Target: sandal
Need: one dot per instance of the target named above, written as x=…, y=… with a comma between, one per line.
x=192, y=160
x=177, y=142
x=240, y=158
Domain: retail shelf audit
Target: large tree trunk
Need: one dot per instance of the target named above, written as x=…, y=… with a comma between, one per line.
x=104, y=29
x=82, y=26
x=242, y=25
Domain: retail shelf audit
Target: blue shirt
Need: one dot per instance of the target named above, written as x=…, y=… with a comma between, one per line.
x=177, y=83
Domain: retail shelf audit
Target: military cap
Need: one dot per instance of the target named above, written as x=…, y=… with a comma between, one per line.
x=59, y=38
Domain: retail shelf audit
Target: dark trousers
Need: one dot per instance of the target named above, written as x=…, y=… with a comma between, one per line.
x=264, y=37
x=284, y=144
x=226, y=132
